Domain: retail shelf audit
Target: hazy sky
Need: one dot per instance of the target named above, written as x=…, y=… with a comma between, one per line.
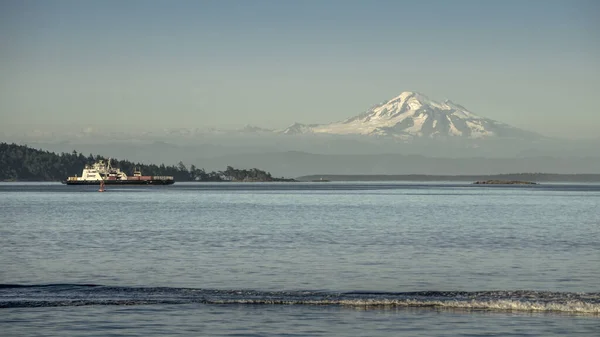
x=531, y=64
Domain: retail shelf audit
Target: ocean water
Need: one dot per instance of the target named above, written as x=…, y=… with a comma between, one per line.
x=300, y=259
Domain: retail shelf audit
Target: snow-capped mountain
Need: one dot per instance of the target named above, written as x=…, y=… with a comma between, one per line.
x=413, y=115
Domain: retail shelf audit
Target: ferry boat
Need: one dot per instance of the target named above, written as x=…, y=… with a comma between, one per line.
x=102, y=172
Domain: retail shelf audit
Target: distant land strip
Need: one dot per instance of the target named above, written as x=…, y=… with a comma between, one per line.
x=533, y=177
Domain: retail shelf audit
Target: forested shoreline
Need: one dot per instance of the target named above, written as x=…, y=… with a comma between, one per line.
x=23, y=163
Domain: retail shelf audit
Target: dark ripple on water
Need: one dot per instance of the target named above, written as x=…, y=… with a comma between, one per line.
x=55, y=295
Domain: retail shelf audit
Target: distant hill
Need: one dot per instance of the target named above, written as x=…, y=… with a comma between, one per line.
x=297, y=164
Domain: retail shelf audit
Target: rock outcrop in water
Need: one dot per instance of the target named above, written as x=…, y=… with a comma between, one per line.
x=504, y=182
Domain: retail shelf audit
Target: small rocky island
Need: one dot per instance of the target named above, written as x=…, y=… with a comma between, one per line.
x=504, y=182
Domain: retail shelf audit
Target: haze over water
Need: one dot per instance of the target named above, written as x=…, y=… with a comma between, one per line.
x=320, y=259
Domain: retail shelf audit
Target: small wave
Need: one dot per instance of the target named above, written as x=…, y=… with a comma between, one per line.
x=54, y=295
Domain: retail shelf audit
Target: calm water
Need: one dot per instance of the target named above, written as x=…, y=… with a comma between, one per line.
x=321, y=259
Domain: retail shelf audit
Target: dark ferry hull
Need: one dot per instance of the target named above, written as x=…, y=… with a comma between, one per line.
x=119, y=182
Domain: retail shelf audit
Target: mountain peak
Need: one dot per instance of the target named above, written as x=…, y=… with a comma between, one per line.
x=411, y=115
x=405, y=95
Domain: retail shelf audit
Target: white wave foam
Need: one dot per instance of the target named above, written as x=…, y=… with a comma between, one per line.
x=500, y=305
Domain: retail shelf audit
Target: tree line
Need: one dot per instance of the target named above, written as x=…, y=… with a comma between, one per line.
x=23, y=163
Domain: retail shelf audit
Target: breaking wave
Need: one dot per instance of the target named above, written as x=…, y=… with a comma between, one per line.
x=55, y=295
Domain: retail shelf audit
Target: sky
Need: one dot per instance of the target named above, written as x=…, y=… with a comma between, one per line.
x=133, y=64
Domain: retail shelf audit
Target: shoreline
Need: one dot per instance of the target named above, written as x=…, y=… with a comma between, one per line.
x=511, y=177
x=353, y=180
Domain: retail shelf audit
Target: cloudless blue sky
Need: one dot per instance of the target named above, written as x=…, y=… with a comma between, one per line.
x=124, y=64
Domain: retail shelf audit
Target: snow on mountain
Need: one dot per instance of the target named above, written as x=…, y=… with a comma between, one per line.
x=413, y=115
x=298, y=128
x=253, y=129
